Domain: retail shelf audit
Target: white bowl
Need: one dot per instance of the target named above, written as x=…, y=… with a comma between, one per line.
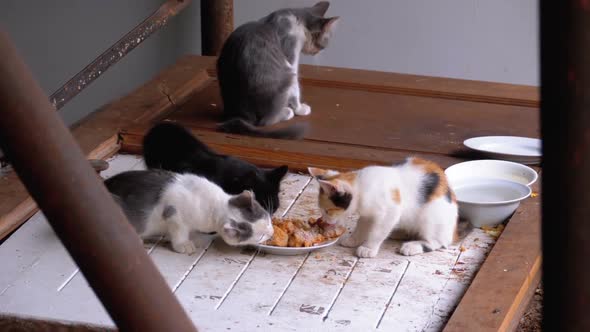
x=488, y=202
x=524, y=150
x=491, y=169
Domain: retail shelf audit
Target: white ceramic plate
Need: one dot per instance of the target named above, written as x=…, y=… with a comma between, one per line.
x=519, y=149
x=491, y=169
x=291, y=251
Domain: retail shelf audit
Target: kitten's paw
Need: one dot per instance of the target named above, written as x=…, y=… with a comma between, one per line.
x=303, y=110
x=187, y=247
x=366, y=252
x=411, y=249
x=287, y=114
x=350, y=242
x=202, y=241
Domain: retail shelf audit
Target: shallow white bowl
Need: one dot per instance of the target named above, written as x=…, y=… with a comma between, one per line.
x=524, y=150
x=292, y=251
x=488, y=202
x=491, y=169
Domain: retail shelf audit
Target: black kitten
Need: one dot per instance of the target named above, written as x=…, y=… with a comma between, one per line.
x=258, y=68
x=171, y=147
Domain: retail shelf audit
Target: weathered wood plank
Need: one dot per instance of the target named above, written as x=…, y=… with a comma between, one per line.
x=24, y=249
x=476, y=247
x=508, y=276
x=324, y=271
x=397, y=122
x=98, y=133
x=416, y=85
x=35, y=262
x=221, y=267
x=212, y=279
x=368, y=290
x=20, y=323
x=297, y=155
x=414, y=299
x=292, y=186
x=268, y=276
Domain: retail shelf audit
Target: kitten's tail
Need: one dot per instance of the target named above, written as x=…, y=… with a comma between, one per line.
x=464, y=227
x=239, y=126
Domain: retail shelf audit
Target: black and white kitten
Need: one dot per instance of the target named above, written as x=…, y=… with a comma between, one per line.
x=158, y=202
x=172, y=147
x=258, y=70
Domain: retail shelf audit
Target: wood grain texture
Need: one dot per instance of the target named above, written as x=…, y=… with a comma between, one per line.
x=504, y=283
x=392, y=121
x=296, y=154
x=192, y=77
x=98, y=133
x=381, y=117
x=416, y=85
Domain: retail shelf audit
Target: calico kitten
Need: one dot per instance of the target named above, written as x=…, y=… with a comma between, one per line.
x=159, y=202
x=171, y=147
x=258, y=69
x=412, y=197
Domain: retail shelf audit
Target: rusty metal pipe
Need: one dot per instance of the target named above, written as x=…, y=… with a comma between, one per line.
x=116, y=52
x=565, y=128
x=88, y=222
x=217, y=22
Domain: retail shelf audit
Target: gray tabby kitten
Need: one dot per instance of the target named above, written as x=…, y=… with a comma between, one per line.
x=258, y=69
x=159, y=202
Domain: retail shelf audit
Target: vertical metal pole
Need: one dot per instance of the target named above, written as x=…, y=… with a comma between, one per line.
x=565, y=126
x=217, y=22
x=88, y=222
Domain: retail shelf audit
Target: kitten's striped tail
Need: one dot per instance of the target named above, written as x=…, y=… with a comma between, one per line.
x=239, y=126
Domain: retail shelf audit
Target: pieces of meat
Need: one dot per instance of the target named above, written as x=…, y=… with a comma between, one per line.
x=280, y=238
x=302, y=233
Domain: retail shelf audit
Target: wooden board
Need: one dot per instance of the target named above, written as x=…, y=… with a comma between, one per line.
x=410, y=104
x=236, y=288
x=98, y=133
x=510, y=274
x=298, y=156
x=383, y=120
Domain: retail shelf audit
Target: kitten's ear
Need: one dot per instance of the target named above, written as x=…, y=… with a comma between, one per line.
x=278, y=173
x=320, y=8
x=321, y=173
x=328, y=187
x=334, y=186
x=243, y=200
x=329, y=25
x=230, y=231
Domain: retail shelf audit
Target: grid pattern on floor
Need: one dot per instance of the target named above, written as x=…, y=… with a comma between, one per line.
x=224, y=288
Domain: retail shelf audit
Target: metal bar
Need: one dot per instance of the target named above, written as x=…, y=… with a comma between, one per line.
x=217, y=22
x=116, y=52
x=88, y=222
x=565, y=128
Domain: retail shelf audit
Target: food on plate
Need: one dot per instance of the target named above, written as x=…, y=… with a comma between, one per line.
x=293, y=232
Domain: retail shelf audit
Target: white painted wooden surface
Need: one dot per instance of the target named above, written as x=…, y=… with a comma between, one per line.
x=224, y=288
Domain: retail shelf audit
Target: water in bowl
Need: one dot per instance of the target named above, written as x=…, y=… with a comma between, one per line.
x=488, y=192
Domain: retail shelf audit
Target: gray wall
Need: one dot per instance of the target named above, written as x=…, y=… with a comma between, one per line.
x=58, y=38
x=487, y=40
x=490, y=40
